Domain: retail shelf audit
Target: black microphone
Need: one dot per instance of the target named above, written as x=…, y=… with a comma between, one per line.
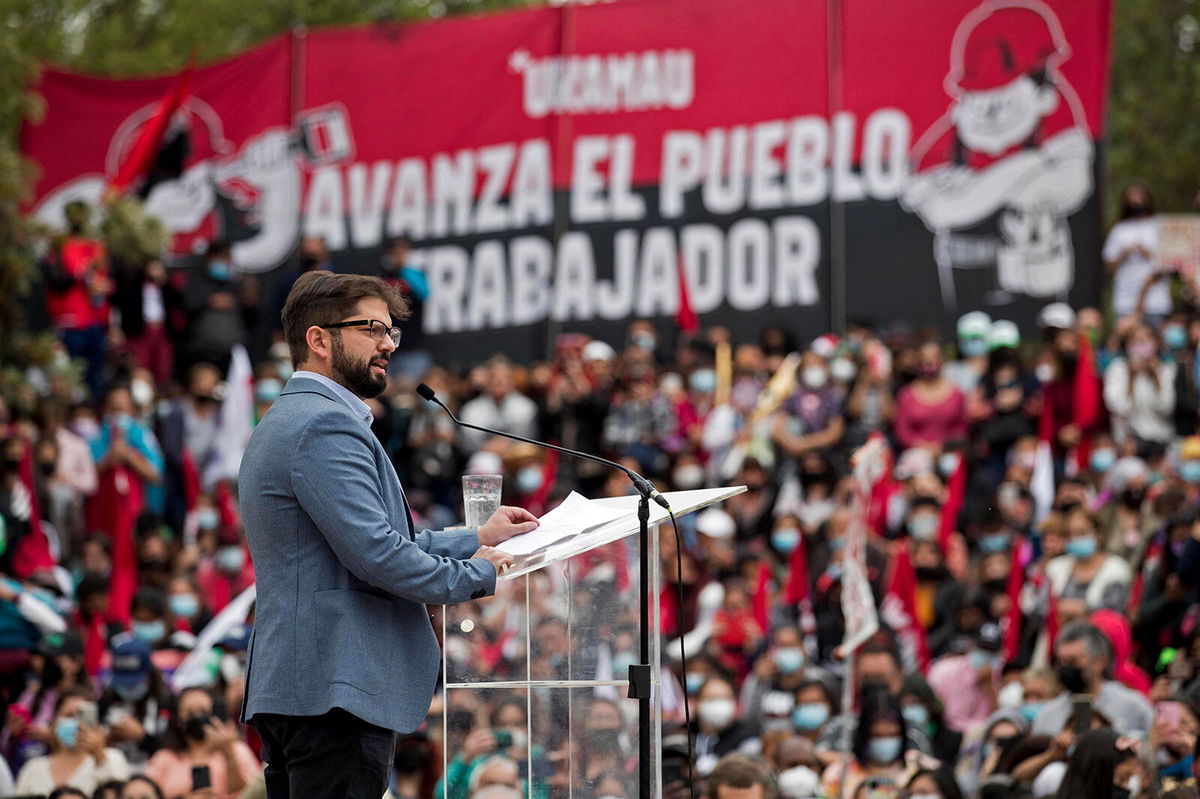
x=644, y=486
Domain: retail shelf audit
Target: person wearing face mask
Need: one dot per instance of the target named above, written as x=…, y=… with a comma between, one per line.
x=225, y=573
x=1086, y=578
x=130, y=706
x=938, y=595
x=966, y=684
x=200, y=737
x=770, y=688
x=1139, y=390
x=930, y=410
x=1123, y=526
x=879, y=745
x=972, y=364
x=813, y=417
x=815, y=705
x=718, y=730
x=61, y=672
x=221, y=306
x=79, y=758
x=1085, y=666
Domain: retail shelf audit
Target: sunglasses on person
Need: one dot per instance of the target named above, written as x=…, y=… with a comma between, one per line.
x=375, y=329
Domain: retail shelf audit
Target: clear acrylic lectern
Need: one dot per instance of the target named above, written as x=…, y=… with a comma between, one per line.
x=536, y=677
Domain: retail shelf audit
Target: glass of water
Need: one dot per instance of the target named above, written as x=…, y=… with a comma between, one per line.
x=481, y=497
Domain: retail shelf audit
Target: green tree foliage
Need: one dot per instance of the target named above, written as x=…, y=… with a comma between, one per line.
x=1155, y=90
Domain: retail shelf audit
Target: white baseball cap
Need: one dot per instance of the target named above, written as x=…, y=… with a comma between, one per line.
x=1057, y=315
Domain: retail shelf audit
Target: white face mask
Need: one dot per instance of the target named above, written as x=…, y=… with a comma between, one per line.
x=814, y=376
x=1044, y=372
x=717, y=714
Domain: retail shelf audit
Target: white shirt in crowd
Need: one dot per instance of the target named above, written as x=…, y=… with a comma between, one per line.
x=1146, y=410
x=35, y=776
x=514, y=413
x=1134, y=268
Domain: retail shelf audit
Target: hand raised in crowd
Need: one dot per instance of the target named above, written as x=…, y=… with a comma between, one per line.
x=502, y=525
x=220, y=736
x=478, y=742
x=93, y=741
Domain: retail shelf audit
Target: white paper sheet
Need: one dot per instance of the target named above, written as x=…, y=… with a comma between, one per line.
x=575, y=515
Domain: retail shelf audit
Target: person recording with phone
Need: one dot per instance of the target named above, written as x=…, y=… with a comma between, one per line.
x=343, y=656
x=79, y=757
x=1085, y=667
x=201, y=752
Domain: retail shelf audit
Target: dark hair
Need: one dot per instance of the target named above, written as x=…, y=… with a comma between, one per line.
x=830, y=695
x=151, y=599
x=111, y=785
x=153, y=785
x=876, y=703
x=1090, y=767
x=947, y=786
x=1098, y=645
x=739, y=771
x=65, y=792
x=1129, y=211
x=320, y=298
x=173, y=737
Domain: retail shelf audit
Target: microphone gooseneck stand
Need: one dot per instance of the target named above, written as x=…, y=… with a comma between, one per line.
x=640, y=674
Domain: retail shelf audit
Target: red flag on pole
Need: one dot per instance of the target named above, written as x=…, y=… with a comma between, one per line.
x=141, y=156
x=685, y=317
x=1014, y=619
x=32, y=552
x=899, y=610
x=1085, y=400
x=954, y=502
x=762, y=596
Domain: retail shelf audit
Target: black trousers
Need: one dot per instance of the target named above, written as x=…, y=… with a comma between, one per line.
x=333, y=755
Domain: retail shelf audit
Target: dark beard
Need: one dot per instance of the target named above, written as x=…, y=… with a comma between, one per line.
x=356, y=375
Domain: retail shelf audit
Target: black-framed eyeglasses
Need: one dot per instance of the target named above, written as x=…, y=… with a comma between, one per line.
x=375, y=329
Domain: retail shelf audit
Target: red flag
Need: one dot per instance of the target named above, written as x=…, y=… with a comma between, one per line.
x=762, y=596
x=1014, y=619
x=1085, y=400
x=685, y=317
x=796, y=590
x=32, y=552
x=191, y=480
x=141, y=156
x=899, y=610
x=94, y=645
x=954, y=502
x=114, y=509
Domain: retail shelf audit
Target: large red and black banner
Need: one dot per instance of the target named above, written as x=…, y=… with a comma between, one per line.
x=554, y=166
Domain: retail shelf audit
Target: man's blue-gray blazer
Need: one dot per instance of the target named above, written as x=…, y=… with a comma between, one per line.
x=343, y=578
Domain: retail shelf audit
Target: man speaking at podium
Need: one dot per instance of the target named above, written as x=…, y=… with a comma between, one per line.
x=343, y=654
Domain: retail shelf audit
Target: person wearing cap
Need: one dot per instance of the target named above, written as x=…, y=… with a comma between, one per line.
x=997, y=176
x=966, y=684
x=342, y=656
x=972, y=336
x=134, y=705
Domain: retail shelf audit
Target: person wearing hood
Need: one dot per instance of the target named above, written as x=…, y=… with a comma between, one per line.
x=1115, y=627
x=1001, y=731
x=1123, y=525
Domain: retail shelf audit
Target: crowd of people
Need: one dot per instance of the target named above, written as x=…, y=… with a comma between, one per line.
x=1032, y=547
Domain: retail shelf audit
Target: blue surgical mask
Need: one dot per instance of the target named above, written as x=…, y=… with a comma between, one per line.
x=947, y=463
x=267, y=389
x=789, y=659
x=834, y=570
x=924, y=526
x=993, y=542
x=785, y=539
x=703, y=381
x=66, y=730
x=836, y=544
x=1102, y=460
x=810, y=716
x=884, y=750
x=692, y=682
x=148, y=631
x=208, y=518
x=1190, y=471
x=231, y=559
x=973, y=347
x=1082, y=547
x=1029, y=710
x=916, y=715
x=185, y=605
x=220, y=270
x=979, y=660
x=284, y=370
x=529, y=479
x=1175, y=337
